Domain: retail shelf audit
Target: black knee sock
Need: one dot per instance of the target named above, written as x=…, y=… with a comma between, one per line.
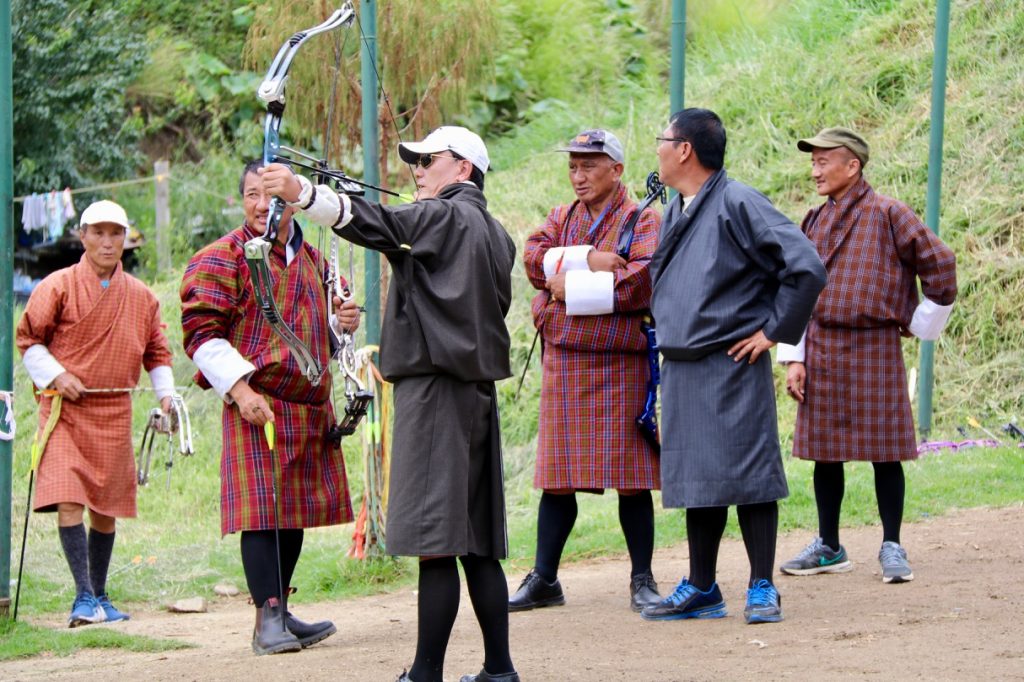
x=76, y=551
x=291, y=548
x=437, y=606
x=101, y=547
x=890, y=489
x=488, y=591
x=829, y=487
x=636, y=515
x=704, y=528
x=555, y=519
x=759, y=524
x=259, y=561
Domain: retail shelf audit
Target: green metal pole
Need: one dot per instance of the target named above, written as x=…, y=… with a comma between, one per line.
x=371, y=159
x=677, y=72
x=927, y=378
x=6, y=281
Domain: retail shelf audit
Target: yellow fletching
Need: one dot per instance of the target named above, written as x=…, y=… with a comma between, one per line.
x=268, y=431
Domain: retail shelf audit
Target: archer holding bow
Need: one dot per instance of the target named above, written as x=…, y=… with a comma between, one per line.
x=443, y=345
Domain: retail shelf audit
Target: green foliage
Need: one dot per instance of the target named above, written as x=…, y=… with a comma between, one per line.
x=20, y=640
x=72, y=63
x=578, y=51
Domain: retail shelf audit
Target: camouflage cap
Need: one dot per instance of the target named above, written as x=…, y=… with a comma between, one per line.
x=830, y=138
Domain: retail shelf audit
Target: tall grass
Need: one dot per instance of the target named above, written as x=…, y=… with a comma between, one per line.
x=803, y=66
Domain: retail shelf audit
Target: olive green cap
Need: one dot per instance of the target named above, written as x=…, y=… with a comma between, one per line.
x=830, y=138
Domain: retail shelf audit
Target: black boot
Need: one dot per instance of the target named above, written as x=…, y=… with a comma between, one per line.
x=306, y=633
x=270, y=635
x=309, y=633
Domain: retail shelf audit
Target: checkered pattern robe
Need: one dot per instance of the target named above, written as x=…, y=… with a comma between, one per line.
x=218, y=302
x=595, y=366
x=104, y=337
x=856, y=405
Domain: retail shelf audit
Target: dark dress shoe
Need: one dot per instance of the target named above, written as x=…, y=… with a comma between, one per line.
x=309, y=633
x=643, y=592
x=270, y=636
x=535, y=592
x=484, y=676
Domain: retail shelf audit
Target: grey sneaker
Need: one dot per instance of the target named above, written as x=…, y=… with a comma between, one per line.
x=817, y=558
x=895, y=568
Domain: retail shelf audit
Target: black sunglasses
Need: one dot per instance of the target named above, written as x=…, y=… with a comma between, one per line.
x=424, y=160
x=670, y=139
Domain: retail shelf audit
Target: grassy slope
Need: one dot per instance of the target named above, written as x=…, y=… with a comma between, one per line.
x=857, y=62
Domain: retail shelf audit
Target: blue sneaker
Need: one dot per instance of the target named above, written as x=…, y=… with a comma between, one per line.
x=86, y=610
x=687, y=602
x=764, y=605
x=111, y=611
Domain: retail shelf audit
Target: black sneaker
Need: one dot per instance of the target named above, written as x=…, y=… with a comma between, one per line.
x=688, y=602
x=643, y=592
x=535, y=592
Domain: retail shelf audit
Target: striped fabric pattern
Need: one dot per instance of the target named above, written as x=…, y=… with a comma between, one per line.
x=857, y=405
x=218, y=302
x=104, y=337
x=594, y=367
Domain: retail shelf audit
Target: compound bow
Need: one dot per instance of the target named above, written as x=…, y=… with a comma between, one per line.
x=257, y=250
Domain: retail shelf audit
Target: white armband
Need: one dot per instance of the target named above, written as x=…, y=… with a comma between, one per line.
x=589, y=293
x=929, y=320
x=222, y=366
x=323, y=205
x=162, y=379
x=787, y=353
x=566, y=258
x=41, y=366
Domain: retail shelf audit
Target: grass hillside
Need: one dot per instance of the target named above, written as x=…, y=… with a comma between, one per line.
x=797, y=68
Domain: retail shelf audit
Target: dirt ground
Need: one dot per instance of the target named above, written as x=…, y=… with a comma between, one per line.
x=959, y=619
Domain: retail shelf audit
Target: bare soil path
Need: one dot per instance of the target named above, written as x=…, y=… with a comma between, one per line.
x=959, y=619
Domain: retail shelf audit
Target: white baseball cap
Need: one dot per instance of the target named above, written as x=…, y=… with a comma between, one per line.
x=104, y=211
x=462, y=141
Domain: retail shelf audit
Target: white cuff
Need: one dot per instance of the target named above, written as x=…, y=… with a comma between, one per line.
x=328, y=208
x=41, y=366
x=589, y=293
x=786, y=353
x=929, y=320
x=222, y=366
x=566, y=258
x=162, y=379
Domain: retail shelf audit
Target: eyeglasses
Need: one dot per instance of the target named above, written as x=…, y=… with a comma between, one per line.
x=425, y=160
x=670, y=139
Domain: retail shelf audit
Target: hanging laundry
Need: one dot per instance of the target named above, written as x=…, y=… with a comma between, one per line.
x=33, y=213
x=69, y=205
x=54, y=215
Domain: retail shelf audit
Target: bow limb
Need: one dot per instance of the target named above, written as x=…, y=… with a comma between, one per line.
x=257, y=251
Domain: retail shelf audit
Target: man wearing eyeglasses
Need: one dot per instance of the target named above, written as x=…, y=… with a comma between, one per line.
x=732, y=277
x=590, y=309
x=444, y=344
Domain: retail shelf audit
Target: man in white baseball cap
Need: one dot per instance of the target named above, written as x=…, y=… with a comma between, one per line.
x=443, y=345
x=86, y=334
x=104, y=211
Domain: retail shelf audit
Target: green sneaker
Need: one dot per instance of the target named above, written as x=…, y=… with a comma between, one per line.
x=817, y=558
